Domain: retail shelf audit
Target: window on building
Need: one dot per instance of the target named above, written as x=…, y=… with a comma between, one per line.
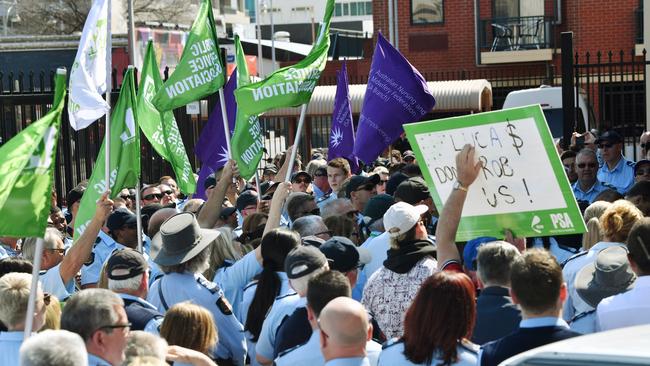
x=338, y=10
x=346, y=9
x=354, y=9
x=369, y=8
x=427, y=11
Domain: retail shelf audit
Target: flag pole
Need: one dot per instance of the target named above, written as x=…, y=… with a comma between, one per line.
x=109, y=69
x=296, y=141
x=259, y=38
x=224, y=117
x=31, y=302
x=138, y=213
x=257, y=185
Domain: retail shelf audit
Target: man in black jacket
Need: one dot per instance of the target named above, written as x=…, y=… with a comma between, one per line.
x=537, y=286
x=496, y=314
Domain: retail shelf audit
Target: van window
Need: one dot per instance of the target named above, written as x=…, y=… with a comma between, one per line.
x=554, y=120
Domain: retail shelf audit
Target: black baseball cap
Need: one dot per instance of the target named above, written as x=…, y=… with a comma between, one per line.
x=357, y=181
x=301, y=173
x=120, y=218
x=270, y=169
x=395, y=181
x=246, y=198
x=343, y=255
x=610, y=136
x=227, y=211
x=408, y=154
x=303, y=260
x=210, y=181
x=412, y=190
x=377, y=207
x=124, y=264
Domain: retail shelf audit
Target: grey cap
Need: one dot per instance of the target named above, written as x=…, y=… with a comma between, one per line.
x=303, y=260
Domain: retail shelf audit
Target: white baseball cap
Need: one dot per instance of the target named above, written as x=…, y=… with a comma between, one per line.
x=401, y=217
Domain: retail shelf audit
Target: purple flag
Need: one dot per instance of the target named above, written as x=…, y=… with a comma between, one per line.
x=342, y=134
x=396, y=94
x=212, y=148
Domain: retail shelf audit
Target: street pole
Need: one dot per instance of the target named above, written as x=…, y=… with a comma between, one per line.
x=131, y=25
x=259, y=38
x=272, y=36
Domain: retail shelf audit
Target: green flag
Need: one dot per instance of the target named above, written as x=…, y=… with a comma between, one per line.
x=247, y=141
x=27, y=171
x=161, y=128
x=199, y=72
x=290, y=86
x=124, y=154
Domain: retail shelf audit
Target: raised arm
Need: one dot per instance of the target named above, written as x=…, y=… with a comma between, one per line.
x=277, y=203
x=282, y=172
x=209, y=214
x=468, y=170
x=79, y=253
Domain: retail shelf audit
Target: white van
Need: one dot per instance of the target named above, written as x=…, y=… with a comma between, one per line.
x=550, y=98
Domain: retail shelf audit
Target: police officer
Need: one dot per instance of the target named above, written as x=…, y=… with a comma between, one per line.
x=184, y=254
x=128, y=277
x=588, y=187
x=616, y=170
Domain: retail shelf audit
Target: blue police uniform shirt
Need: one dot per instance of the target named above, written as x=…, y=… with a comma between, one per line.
x=97, y=361
x=320, y=203
x=53, y=283
x=10, y=343
x=621, y=177
x=393, y=354
x=153, y=326
x=310, y=354
x=104, y=246
x=591, y=194
x=318, y=193
x=349, y=361
x=233, y=278
x=247, y=299
x=282, y=307
x=585, y=323
x=173, y=288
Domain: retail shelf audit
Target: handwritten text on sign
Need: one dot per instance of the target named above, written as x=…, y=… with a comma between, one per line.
x=516, y=174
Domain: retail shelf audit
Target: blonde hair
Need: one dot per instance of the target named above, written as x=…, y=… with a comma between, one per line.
x=592, y=216
x=52, y=314
x=14, y=295
x=618, y=219
x=223, y=248
x=191, y=326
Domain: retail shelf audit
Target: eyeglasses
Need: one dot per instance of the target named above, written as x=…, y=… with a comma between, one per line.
x=324, y=233
x=585, y=165
x=58, y=250
x=320, y=175
x=366, y=187
x=382, y=182
x=115, y=326
x=605, y=146
x=642, y=171
x=151, y=196
x=127, y=197
x=304, y=180
x=168, y=192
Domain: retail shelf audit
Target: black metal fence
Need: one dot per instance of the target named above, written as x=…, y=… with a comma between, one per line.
x=516, y=33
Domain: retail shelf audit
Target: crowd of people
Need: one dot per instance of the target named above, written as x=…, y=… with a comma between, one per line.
x=331, y=268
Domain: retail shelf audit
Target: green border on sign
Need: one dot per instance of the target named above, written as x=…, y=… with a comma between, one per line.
x=560, y=221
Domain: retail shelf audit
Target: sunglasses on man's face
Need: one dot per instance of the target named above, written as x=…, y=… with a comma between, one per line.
x=152, y=196
x=642, y=171
x=366, y=187
x=587, y=165
x=605, y=146
x=168, y=192
x=127, y=197
x=303, y=180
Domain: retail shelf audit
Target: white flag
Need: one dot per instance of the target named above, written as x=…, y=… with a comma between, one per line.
x=88, y=75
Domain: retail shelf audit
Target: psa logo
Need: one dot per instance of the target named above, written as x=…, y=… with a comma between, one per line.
x=561, y=221
x=536, y=224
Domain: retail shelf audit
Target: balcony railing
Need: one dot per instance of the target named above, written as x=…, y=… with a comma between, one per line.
x=638, y=15
x=516, y=34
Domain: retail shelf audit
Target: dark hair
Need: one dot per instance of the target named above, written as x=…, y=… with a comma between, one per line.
x=54, y=209
x=13, y=264
x=609, y=195
x=641, y=188
x=396, y=168
x=340, y=225
x=276, y=244
x=325, y=287
x=295, y=204
x=252, y=228
x=568, y=154
x=412, y=170
x=638, y=244
x=428, y=331
x=536, y=278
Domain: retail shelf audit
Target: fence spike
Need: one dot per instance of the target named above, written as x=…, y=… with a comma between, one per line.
x=31, y=81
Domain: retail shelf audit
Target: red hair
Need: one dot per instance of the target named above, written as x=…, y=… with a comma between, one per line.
x=442, y=313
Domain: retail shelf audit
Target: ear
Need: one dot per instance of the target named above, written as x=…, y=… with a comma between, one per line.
x=323, y=339
x=97, y=339
x=563, y=292
x=369, y=335
x=514, y=297
x=144, y=284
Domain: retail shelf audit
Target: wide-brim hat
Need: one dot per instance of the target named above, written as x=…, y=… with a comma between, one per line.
x=608, y=275
x=180, y=239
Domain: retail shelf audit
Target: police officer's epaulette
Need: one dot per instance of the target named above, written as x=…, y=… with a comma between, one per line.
x=568, y=248
x=574, y=257
x=608, y=185
x=90, y=260
x=211, y=286
x=323, y=198
x=469, y=346
x=630, y=163
x=224, y=306
x=582, y=315
x=391, y=342
x=250, y=284
x=97, y=240
x=286, y=295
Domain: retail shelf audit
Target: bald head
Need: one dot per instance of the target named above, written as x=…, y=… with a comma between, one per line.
x=345, y=322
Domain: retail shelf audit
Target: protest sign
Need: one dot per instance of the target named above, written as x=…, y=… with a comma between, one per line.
x=199, y=72
x=522, y=185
